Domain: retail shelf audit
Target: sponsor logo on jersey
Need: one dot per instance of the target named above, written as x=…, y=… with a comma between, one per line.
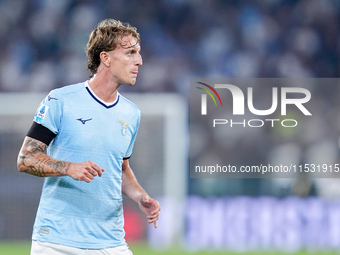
x=45, y=231
x=50, y=98
x=83, y=121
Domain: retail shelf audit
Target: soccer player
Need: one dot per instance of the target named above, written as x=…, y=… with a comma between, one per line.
x=81, y=140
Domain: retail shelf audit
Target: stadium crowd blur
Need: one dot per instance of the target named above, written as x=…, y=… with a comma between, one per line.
x=43, y=41
x=43, y=44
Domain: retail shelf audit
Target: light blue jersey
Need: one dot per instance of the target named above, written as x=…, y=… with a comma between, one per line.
x=76, y=213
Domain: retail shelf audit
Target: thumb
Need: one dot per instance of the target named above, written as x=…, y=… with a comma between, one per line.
x=146, y=200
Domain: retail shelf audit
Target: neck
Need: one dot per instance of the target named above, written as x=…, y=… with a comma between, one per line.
x=105, y=90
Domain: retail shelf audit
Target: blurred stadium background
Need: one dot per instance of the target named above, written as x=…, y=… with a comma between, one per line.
x=43, y=43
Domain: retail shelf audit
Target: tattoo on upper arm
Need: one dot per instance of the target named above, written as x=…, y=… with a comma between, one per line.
x=36, y=162
x=34, y=146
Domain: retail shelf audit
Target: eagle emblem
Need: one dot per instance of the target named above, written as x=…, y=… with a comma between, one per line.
x=124, y=126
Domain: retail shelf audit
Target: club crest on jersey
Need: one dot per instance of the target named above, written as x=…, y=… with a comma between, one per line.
x=41, y=113
x=124, y=126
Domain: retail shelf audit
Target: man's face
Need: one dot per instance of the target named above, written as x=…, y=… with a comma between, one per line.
x=125, y=60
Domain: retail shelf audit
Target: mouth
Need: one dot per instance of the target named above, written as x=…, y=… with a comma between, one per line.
x=135, y=72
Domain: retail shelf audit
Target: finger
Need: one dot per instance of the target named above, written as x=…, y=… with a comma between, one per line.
x=98, y=169
x=155, y=224
x=146, y=200
x=153, y=218
x=100, y=172
x=89, y=175
x=154, y=221
x=95, y=170
x=155, y=211
x=85, y=179
x=91, y=171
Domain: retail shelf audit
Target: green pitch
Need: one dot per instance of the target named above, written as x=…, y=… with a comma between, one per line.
x=23, y=248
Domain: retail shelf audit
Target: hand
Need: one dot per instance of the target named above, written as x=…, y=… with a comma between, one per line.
x=85, y=171
x=151, y=208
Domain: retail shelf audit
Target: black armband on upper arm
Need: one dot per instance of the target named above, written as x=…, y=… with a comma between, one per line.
x=41, y=133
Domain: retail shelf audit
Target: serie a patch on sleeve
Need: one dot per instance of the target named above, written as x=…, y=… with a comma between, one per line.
x=41, y=113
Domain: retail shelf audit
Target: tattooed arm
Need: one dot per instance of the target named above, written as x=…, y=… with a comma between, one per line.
x=33, y=160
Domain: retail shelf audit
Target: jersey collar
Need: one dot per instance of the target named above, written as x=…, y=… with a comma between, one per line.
x=100, y=101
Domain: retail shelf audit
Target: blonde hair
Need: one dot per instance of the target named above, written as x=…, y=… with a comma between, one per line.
x=105, y=37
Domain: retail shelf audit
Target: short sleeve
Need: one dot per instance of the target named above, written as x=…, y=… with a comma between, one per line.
x=133, y=139
x=49, y=113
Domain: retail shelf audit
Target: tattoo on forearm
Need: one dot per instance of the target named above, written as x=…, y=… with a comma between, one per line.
x=35, y=161
x=58, y=166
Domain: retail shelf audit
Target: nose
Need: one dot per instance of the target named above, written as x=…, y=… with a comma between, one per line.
x=139, y=60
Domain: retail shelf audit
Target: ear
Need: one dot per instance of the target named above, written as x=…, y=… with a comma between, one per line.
x=105, y=58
